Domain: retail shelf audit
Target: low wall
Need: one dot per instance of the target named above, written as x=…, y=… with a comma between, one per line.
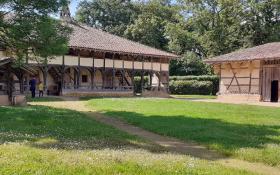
x=162, y=94
x=19, y=100
x=239, y=97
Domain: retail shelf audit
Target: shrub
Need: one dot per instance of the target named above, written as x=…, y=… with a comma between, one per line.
x=191, y=87
x=213, y=78
x=137, y=84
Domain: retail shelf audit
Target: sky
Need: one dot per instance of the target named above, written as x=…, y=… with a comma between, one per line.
x=73, y=6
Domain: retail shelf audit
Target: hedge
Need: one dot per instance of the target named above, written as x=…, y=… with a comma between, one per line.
x=191, y=87
x=214, y=79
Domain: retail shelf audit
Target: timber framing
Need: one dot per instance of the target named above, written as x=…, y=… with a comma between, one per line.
x=249, y=74
x=96, y=62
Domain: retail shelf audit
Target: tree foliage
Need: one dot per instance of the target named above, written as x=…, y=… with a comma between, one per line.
x=195, y=29
x=28, y=32
x=110, y=15
x=26, y=27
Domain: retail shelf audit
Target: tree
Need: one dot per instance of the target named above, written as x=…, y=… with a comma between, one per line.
x=261, y=22
x=150, y=27
x=27, y=29
x=110, y=15
x=189, y=64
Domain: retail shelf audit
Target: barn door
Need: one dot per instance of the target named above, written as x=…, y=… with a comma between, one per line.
x=274, y=91
x=270, y=84
x=266, y=84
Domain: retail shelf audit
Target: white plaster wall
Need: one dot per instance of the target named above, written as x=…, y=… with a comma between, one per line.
x=86, y=62
x=242, y=73
x=56, y=60
x=71, y=60
x=98, y=78
x=137, y=65
x=98, y=63
x=147, y=65
x=128, y=64
x=109, y=63
x=165, y=67
x=118, y=63
x=156, y=66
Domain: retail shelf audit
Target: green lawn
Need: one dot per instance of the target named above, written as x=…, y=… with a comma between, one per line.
x=43, y=99
x=194, y=96
x=42, y=140
x=247, y=132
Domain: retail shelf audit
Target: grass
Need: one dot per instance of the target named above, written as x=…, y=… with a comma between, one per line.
x=43, y=99
x=246, y=132
x=43, y=140
x=194, y=96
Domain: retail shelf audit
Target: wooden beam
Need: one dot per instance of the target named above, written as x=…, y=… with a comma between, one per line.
x=93, y=72
x=114, y=72
x=79, y=71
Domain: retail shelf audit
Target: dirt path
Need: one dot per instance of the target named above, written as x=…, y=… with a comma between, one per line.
x=172, y=144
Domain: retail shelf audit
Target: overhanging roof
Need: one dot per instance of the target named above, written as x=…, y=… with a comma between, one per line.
x=94, y=39
x=263, y=52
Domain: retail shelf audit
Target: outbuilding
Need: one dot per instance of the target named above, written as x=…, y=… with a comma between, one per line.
x=251, y=74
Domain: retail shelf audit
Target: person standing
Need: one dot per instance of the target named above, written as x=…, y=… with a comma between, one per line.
x=41, y=89
x=32, y=84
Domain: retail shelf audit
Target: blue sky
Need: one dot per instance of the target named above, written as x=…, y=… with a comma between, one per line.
x=73, y=6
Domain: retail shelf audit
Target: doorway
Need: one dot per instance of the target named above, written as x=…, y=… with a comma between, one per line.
x=274, y=91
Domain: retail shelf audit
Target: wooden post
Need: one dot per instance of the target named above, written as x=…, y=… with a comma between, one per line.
x=123, y=72
x=79, y=71
x=92, y=72
x=151, y=79
x=142, y=75
x=63, y=72
x=151, y=74
x=104, y=71
x=220, y=77
x=113, y=72
x=62, y=80
x=45, y=78
x=261, y=81
x=250, y=82
x=132, y=75
x=159, y=77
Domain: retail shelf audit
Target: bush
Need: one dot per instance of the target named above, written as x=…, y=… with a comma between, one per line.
x=137, y=84
x=191, y=87
x=214, y=79
x=198, y=78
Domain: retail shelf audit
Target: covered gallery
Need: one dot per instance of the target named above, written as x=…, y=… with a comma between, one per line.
x=98, y=63
x=250, y=74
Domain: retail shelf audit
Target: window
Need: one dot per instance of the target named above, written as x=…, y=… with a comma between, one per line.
x=84, y=78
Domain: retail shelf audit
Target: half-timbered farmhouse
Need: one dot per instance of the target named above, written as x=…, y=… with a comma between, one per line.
x=98, y=63
x=250, y=74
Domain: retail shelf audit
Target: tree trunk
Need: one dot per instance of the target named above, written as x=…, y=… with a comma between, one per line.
x=10, y=83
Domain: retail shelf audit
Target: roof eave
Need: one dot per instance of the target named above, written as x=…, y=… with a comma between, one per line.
x=213, y=61
x=171, y=56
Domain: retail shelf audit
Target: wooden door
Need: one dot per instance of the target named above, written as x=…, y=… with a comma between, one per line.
x=270, y=74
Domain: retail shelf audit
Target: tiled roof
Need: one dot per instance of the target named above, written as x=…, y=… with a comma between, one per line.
x=92, y=38
x=262, y=52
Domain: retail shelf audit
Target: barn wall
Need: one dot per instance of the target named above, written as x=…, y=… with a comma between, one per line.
x=239, y=80
x=270, y=72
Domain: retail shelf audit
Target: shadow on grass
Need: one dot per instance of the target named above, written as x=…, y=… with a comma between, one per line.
x=45, y=127
x=213, y=133
x=44, y=99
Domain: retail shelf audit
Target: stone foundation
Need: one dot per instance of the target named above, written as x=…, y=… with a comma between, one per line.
x=240, y=97
x=18, y=100
x=161, y=94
